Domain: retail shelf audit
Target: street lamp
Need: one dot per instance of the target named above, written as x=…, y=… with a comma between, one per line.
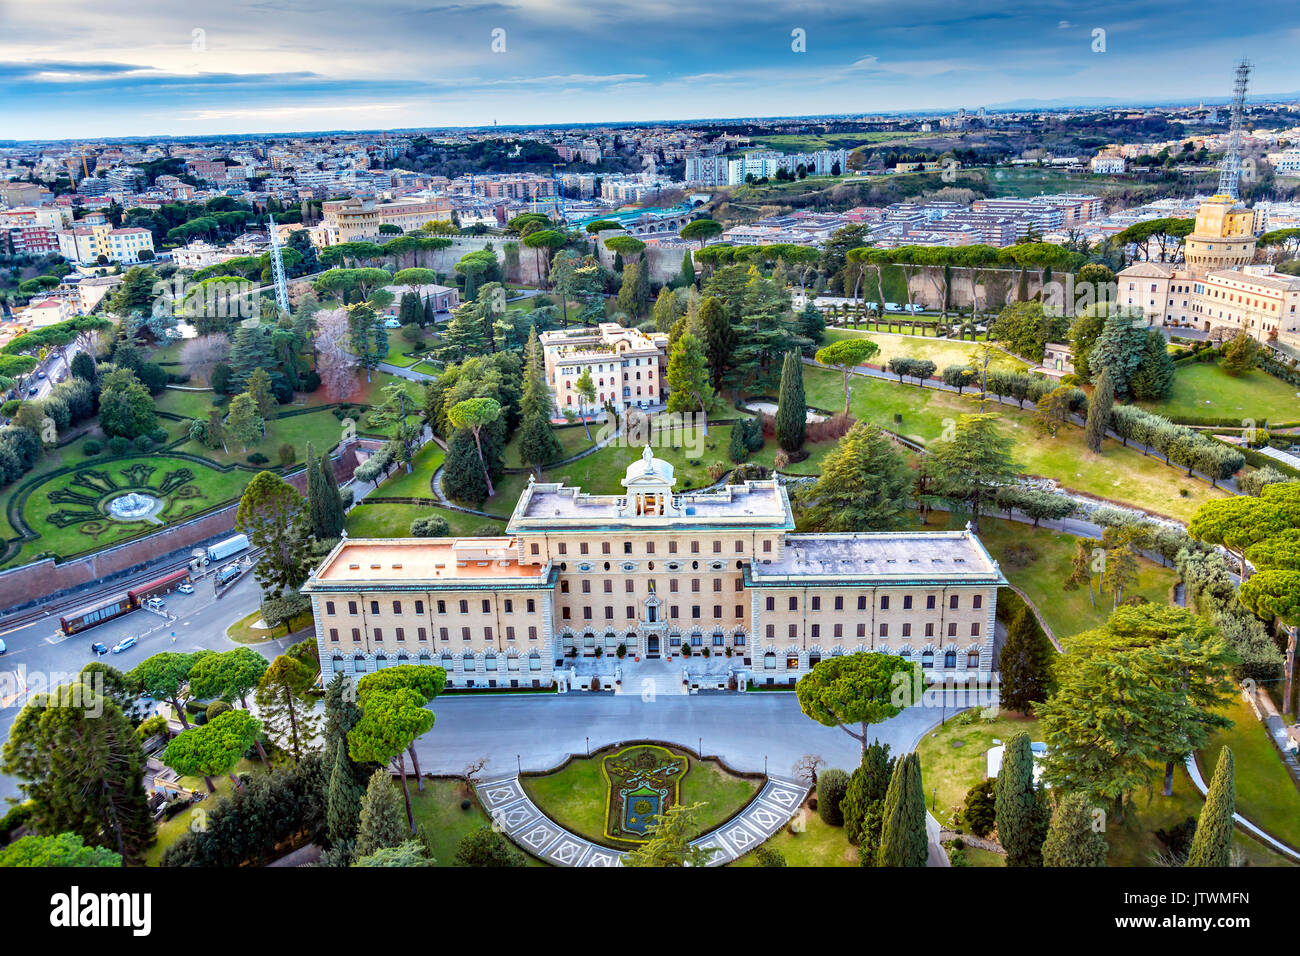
x=588, y=739
x=699, y=749
x=519, y=768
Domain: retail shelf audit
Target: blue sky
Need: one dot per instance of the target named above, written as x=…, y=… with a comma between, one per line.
x=76, y=68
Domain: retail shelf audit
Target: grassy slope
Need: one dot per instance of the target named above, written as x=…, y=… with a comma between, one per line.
x=1204, y=389
x=942, y=352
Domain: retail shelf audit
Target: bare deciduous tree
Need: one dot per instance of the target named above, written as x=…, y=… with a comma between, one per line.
x=200, y=355
x=805, y=769
x=335, y=363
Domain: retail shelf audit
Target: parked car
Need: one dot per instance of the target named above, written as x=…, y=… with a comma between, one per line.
x=2, y=646
x=392, y=324
x=40, y=374
x=125, y=644
x=34, y=390
x=185, y=588
x=99, y=648
x=154, y=603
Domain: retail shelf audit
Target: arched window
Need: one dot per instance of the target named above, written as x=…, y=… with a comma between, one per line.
x=973, y=658
x=769, y=661
x=950, y=658
x=814, y=658
x=927, y=660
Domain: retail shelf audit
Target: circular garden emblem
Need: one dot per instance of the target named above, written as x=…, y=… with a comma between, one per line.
x=643, y=783
x=132, y=493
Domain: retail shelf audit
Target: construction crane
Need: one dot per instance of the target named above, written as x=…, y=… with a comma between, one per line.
x=559, y=191
x=1230, y=168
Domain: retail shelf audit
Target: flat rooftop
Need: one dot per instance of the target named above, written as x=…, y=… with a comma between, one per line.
x=939, y=556
x=550, y=507
x=375, y=562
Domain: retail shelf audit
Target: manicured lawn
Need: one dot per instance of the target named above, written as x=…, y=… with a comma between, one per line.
x=1037, y=560
x=577, y=796
x=243, y=631
x=1118, y=473
x=202, y=488
x=1205, y=390
x=438, y=810
x=573, y=439
x=942, y=352
x=1266, y=794
x=954, y=758
x=189, y=404
x=320, y=428
x=394, y=520
x=417, y=484
x=817, y=845
x=690, y=453
x=169, y=831
x=948, y=772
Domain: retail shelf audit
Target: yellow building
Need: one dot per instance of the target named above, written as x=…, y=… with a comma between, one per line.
x=714, y=580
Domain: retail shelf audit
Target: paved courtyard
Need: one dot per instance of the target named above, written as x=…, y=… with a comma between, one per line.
x=756, y=732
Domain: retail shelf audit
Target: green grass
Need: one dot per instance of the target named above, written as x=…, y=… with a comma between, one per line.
x=243, y=631
x=438, y=810
x=1266, y=793
x=1040, y=570
x=576, y=797
x=942, y=352
x=601, y=472
x=320, y=428
x=949, y=771
x=188, y=404
x=573, y=439
x=207, y=488
x=1118, y=473
x=394, y=520
x=169, y=831
x=818, y=844
x=419, y=483
x=1205, y=390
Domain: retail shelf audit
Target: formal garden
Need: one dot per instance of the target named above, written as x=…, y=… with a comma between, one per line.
x=614, y=796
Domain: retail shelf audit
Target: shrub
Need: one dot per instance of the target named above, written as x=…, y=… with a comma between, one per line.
x=257, y=458
x=717, y=470
x=979, y=813
x=159, y=435
x=91, y=448
x=119, y=445
x=831, y=786
x=287, y=454
x=142, y=443
x=430, y=526
x=216, y=708
x=767, y=856
x=782, y=459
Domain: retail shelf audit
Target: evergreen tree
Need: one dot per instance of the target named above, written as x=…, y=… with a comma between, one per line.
x=1025, y=663
x=903, y=840
x=972, y=465
x=689, y=380
x=667, y=310
x=242, y=421
x=410, y=311
x=317, y=496
x=737, y=448
x=791, y=408
x=486, y=847
x=864, y=485
x=344, y=798
x=686, y=276
x=259, y=388
x=250, y=350
x=1100, y=406
x=382, y=821
x=275, y=518
x=81, y=767
x=1021, y=809
x=718, y=336
x=538, y=443
x=462, y=474
x=1119, y=350
x=1154, y=377
x=628, y=298
x=1072, y=839
x=1212, y=844
x=864, y=799
x=287, y=714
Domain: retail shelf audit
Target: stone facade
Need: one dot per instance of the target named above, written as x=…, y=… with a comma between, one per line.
x=658, y=573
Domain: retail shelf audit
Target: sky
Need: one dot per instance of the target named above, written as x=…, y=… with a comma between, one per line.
x=90, y=69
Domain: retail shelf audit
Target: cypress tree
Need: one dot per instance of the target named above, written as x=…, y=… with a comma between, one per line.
x=831, y=786
x=791, y=409
x=538, y=443
x=1025, y=663
x=867, y=788
x=903, y=840
x=686, y=276
x=462, y=474
x=737, y=449
x=1212, y=844
x=317, y=496
x=1071, y=838
x=1021, y=816
x=333, y=501
x=1099, y=409
x=383, y=820
x=343, y=801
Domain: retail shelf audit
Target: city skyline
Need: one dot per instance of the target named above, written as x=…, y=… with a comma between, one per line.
x=530, y=62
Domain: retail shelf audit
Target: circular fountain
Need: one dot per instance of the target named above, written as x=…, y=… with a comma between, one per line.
x=133, y=506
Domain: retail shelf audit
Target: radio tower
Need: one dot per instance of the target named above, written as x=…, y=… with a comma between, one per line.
x=277, y=268
x=1230, y=170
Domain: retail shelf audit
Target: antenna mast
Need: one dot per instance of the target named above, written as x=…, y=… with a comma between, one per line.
x=1230, y=169
x=277, y=268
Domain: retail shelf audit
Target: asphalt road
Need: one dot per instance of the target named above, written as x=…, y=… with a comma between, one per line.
x=40, y=656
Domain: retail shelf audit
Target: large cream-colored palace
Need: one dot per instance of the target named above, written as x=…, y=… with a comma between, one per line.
x=714, y=578
x=1216, y=287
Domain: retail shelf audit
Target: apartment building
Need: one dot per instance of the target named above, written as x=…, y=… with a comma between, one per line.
x=83, y=243
x=627, y=366
x=660, y=573
x=359, y=218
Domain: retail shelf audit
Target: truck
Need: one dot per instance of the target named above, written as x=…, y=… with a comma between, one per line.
x=227, y=574
x=224, y=549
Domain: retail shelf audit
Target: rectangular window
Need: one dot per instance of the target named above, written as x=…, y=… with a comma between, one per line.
x=487, y=607
x=884, y=630
x=329, y=608
x=487, y=633
x=464, y=633
x=907, y=630
x=442, y=607
x=419, y=607
x=374, y=607
x=532, y=606
x=609, y=614
x=862, y=630
x=628, y=586
x=379, y=635
x=397, y=607
x=771, y=631
x=356, y=634
x=649, y=547
x=767, y=546
x=464, y=607
x=442, y=634
x=740, y=611
x=510, y=632
x=609, y=586
x=532, y=633
x=717, y=612
x=884, y=602
x=794, y=630
x=862, y=602
x=952, y=629
x=695, y=611
x=816, y=630
x=672, y=547
x=740, y=547
x=564, y=587
x=627, y=547
x=631, y=612
x=794, y=604
x=771, y=604
x=695, y=547
x=672, y=612
x=977, y=601
x=907, y=602
x=672, y=586
x=604, y=547
x=717, y=547
x=816, y=602
x=582, y=547
x=839, y=602
x=510, y=606
x=975, y=629
x=952, y=603
x=563, y=548
x=929, y=602
x=422, y=634
x=695, y=585
x=534, y=549
x=334, y=633
x=929, y=629
x=586, y=586
x=401, y=634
